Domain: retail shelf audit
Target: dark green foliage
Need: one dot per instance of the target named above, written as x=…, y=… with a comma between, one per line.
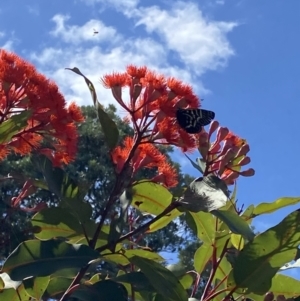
x=92, y=165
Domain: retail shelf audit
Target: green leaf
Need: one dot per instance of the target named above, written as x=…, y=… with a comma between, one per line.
x=281, y=285
x=36, y=286
x=106, y=290
x=161, y=278
x=11, y=294
x=202, y=256
x=197, y=166
x=221, y=240
x=13, y=126
x=205, y=223
x=264, y=208
x=235, y=223
x=57, y=286
x=237, y=241
x=53, y=175
x=150, y=197
x=122, y=258
x=55, y=222
x=223, y=269
x=164, y=221
x=41, y=258
x=144, y=254
x=258, y=262
x=186, y=281
x=110, y=129
x=248, y=214
x=291, y=265
x=138, y=280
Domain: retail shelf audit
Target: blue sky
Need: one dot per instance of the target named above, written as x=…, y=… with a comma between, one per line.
x=241, y=56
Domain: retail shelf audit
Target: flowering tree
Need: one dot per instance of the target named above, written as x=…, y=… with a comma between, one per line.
x=65, y=260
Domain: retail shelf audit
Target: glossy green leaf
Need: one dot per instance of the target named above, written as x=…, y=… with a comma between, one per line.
x=221, y=240
x=119, y=259
x=71, y=194
x=36, y=286
x=13, y=125
x=202, y=256
x=106, y=290
x=164, y=221
x=55, y=222
x=123, y=257
x=138, y=280
x=291, y=265
x=186, y=281
x=281, y=285
x=223, y=269
x=200, y=167
x=150, y=197
x=261, y=258
x=53, y=175
x=235, y=223
x=205, y=223
x=264, y=208
x=57, y=286
x=144, y=254
x=41, y=258
x=161, y=278
x=237, y=241
x=248, y=214
x=109, y=127
x=129, y=286
x=11, y=294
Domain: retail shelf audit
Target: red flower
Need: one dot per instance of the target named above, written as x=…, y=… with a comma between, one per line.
x=152, y=105
x=23, y=89
x=226, y=155
x=146, y=155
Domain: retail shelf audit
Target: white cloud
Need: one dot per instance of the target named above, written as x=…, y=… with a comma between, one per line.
x=33, y=10
x=118, y=4
x=200, y=43
x=184, y=32
x=8, y=45
x=77, y=34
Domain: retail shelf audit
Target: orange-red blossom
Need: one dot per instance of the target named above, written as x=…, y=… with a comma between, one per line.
x=22, y=88
x=152, y=104
x=226, y=155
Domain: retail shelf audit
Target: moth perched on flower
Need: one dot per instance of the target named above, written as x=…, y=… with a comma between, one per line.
x=159, y=109
x=193, y=120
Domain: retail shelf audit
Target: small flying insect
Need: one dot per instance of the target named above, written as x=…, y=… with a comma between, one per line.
x=95, y=32
x=192, y=120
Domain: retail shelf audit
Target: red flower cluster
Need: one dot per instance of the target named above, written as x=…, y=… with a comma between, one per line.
x=226, y=155
x=153, y=102
x=23, y=89
x=146, y=155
